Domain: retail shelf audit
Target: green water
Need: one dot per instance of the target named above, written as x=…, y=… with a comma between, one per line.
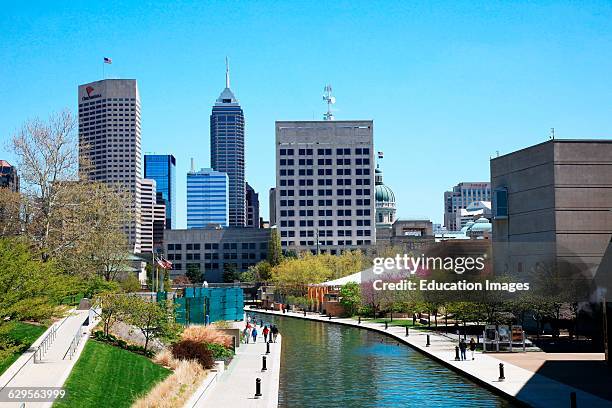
x=329, y=365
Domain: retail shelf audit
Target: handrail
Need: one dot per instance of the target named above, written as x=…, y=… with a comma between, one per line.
x=74, y=343
x=45, y=344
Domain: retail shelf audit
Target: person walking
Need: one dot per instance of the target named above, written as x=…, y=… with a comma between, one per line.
x=254, y=334
x=247, y=333
x=265, y=332
x=472, y=347
x=274, y=331
x=462, y=348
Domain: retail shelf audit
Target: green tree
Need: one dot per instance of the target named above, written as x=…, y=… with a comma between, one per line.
x=194, y=273
x=114, y=307
x=275, y=252
x=229, y=272
x=130, y=283
x=350, y=297
x=151, y=318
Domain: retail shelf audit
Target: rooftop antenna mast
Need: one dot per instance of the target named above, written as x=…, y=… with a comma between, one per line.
x=552, y=134
x=227, y=81
x=330, y=100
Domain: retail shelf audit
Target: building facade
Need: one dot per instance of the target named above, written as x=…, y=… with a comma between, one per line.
x=212, y=250
x=325, y=185
x=8, y=176
x=159, y=222
x=272, y=206
x=385, y=202
x=552, y=204
x=162, y=169
x=110, y=141
x=461, y=196
x=227, y=149
x=252, y=200
x=148, y=203
x=207, y=198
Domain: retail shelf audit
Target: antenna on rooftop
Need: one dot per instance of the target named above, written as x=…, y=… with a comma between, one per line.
x=330, y=100
x=192, y=165
x=552, y=133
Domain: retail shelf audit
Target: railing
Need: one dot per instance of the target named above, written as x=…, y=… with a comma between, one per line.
x=45, y=344
x=74, y=343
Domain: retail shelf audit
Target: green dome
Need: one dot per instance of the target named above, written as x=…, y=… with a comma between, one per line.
x=384, y=194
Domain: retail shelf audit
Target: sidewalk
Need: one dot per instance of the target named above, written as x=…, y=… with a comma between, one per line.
x=236, y=386
x=55, y=366
x=521, y=384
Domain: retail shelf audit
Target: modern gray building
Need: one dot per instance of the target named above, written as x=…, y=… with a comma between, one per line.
x=213, y=249
x=207, y=198
x=110, y=141
x=227, y=149
x=461, y=196
x=252, y=201
x=325, y=185
x=162, y=169
x=552, y=202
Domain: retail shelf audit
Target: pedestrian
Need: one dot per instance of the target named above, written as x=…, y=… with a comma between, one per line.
x=266, y=331
x=274, y=333
x=472, y=347
x=254, y=334
x=248, y=319
x=247, y=333
x=462, y=348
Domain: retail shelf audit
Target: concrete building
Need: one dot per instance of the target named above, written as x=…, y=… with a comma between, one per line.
x=159, y=222
x=207, y=198
x=8, y=176
x=272, y=206
x=552, y=203
x=474, y=211
x=109, y=141
x=325, y=185
x=227, y=149
x=213, y=249
x=408, y=234
x=162, y=169
x=148, y=202
x=461, y=196
x=252, y=200
x=385, y=202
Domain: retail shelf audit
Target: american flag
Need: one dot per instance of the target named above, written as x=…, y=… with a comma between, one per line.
x=380, y=155
x=163, y=263
x=108, y=60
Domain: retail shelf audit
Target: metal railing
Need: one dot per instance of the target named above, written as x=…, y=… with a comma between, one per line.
x=74, y=343
x=45, y=344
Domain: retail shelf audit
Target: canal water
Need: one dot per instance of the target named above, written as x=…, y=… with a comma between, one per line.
x=329, y=365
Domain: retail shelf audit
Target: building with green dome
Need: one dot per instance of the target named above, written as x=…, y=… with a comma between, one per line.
x=385, y=202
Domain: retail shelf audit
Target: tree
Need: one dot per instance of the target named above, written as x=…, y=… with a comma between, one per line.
x=114, y=307
x=229, y=272
x=130, y=283
x=181, y=280
x=10, y=213
x=292, y=276
x=151, y=318
x=194, y=274
x=350, y=297
x=275, y=252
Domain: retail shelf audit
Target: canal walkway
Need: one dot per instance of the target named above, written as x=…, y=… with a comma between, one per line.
x=519, y=384
x=236, y=386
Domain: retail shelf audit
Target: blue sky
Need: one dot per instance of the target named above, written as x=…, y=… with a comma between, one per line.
x=447, y=83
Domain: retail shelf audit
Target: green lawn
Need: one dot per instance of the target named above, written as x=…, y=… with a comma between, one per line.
x=395, y=322
x=109, y=376
x=24, y=334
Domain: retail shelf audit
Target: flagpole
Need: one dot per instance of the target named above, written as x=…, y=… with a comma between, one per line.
x=103, y=63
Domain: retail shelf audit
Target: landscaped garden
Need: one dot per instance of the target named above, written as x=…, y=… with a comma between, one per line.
x=21, y=335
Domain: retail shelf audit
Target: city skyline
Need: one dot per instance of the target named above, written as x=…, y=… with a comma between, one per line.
x=440, y=103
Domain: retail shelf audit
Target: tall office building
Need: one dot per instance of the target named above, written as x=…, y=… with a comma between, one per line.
x=252, y=200
x=8, y=176
x=159, y=222
x=462, y=195
x=109, y=138
x=153, y=213
x=207, y=198
x=227, y=149
x=272, y=205
x=325, y=185
x=162, y=169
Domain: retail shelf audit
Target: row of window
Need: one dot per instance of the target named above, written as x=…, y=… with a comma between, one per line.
x=322, y=203
x=213, y=246
x=324, y=152
x=330, y=243
x=197, y=256
x=324, y=172
x=212, y=266
x=325, y=192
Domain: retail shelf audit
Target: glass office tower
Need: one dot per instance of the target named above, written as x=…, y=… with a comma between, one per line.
x=162, y=169
x=227, y=149
x=207, y=198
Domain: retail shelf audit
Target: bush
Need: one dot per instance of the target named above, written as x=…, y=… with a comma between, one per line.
x=219, y=351
x=193, y=350
x=207, y=334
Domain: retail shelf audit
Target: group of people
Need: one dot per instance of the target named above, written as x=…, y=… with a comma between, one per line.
x=251, y=332
x=463, y=346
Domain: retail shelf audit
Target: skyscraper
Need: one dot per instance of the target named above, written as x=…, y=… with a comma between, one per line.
x=462, y=195
x=162, y=169
x=325, y=185
x=207, y=198
x=109, y=138
x=227, y=149
x=252, y=199
x=8, y=176
x=152, y=214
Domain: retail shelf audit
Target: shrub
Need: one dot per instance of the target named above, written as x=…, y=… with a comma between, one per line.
x=219, y=351
x=193, y=350
x=166, y=359
x=207, y=334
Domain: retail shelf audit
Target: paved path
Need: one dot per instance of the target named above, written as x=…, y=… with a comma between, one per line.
x=524, y=385
x=236, y=386
x=55, y=366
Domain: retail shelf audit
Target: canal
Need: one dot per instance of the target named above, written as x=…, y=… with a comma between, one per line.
x=329, y=365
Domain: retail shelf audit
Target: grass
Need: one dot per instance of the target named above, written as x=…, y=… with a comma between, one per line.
x=395, y=322
x=109, y=376
x=24, y=334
